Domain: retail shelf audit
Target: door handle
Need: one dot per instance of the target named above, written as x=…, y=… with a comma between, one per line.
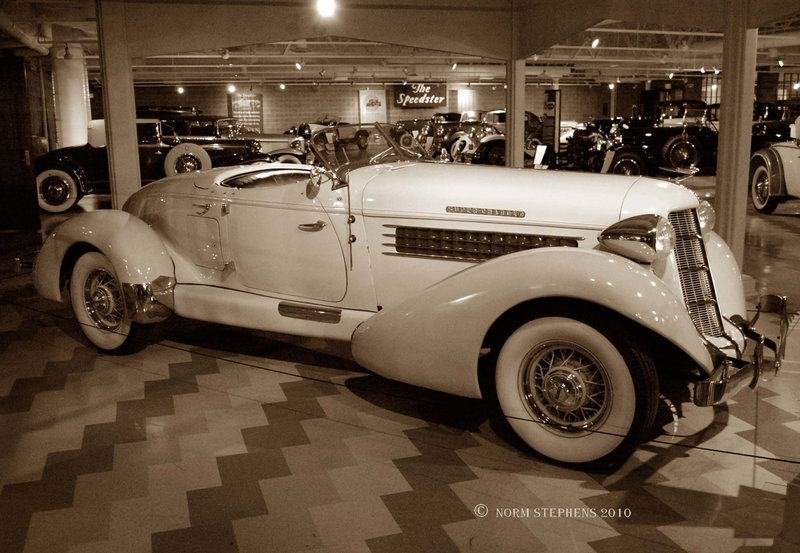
x=203, y=208
x=312, y=227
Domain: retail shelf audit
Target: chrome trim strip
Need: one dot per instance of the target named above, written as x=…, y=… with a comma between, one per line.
x=485, y=211
x=312, y=313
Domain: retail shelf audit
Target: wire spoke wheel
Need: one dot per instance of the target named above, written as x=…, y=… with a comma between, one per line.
x=566, y=387
x=103, y=299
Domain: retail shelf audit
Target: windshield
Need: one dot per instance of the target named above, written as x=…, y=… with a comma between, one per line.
x=347, y=147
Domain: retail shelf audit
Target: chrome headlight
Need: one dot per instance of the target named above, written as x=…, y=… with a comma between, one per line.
x=707, y=216
x=643, y=238
x=298, y=144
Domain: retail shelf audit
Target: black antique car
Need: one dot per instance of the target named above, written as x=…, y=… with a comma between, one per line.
x=680, y=137
x=491, y=147
x=64, y=175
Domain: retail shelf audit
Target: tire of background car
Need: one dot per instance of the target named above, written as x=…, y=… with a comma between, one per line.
x=459, y=145
x=99, y=305
x=186, y=157
x=627, y=163
x=576, y=394
x=362, y=139
x=57, y=190
x=681, y=152
x=759, y=189
x=496, y=154
x=288, y=158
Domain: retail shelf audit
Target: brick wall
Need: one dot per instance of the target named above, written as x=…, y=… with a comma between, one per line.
x=283, y=109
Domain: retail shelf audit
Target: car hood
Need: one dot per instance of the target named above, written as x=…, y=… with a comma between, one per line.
x=545, y=197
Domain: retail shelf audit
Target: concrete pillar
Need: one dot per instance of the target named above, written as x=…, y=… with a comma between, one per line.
x=515, y=113
x=119, y=104
x=736, y=113
x=71, y=89
x=612, y=101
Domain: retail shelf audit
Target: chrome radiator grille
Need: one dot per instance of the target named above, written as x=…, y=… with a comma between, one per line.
x=465, y=245
x=694, y=273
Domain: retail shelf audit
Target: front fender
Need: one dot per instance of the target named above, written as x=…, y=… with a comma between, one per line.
x=492, y=138
x=137, y=253
x=434, y=339
x=772, y=161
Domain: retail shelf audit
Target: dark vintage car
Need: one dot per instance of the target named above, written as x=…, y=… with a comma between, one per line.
x=685, y=134
x=344, y=131
x=680, y=137
x=64, y=175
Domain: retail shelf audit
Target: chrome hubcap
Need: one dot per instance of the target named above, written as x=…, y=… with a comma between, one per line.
x=55, y=190
x=103, y=299
x=187, y=163
x=565, y=387
x=683, y=155
x=762, y=187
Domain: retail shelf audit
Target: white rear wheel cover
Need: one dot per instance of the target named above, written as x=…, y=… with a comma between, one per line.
x=73, y=194
x=576, y=447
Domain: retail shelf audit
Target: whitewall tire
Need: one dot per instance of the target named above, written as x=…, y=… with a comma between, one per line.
x=98, y=302
x=760, y=184
x=568, y=391
x=57, y=190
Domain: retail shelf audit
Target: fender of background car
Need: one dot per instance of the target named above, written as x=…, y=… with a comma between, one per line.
x=277, y=153
x=434, y=339
x=492, y=138
x=64, y=163
x=774, y=164
x=137, y=253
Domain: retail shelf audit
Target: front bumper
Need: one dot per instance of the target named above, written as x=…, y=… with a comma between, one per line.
x=732, y=374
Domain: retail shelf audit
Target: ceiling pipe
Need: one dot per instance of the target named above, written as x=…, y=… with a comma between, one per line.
x=7, y=26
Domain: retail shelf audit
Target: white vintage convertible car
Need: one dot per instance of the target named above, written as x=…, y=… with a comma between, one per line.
x=563, y=296
x=775, y=173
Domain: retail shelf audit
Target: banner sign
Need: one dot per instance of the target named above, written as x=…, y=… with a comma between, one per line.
x=420, y=95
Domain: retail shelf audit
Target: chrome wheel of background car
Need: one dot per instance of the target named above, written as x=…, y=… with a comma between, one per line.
x=627, y=164
x=187, y=163
x=681, y=152
x=574, y=394
x=759, y=190
x=57, y=190
x=185, y=157
x=98, y=302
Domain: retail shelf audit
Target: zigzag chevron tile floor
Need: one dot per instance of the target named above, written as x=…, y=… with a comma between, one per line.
x=211, y=439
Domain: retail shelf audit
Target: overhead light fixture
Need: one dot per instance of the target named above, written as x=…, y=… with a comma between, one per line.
x=299, y=66
x=796, y=86
x=231, y=88
x=780, y=63
x=405, y=71
x=618, y=80
x=282, y=86
x=322, y=72
x=716, y=71
x=703, y=69
x=671, y=75
x=405, y=83
x=67, y=54
x=180, y=90
x=455, y=65
x=595, y=43
x=226, y=54
x=611, y=86
x=326, y=8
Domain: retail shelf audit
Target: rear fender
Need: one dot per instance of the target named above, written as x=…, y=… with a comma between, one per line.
x=139, y=257
x=65, y=163
x=772, y=161
x=434, y=339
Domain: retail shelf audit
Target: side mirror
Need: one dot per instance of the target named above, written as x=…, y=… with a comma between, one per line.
x=318, y=176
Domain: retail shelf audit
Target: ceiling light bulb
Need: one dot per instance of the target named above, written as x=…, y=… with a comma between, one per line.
x=702, y=69
x=225, y=54
x=671, y=75
x=780, y=63
x=716, y=71
x=322, y=72
x=326, y=8
x=231, y=88
x=298, y=65
x=180, y=90
x=455, y=65
x=282, y=86
x=611, y=86
x=796, y=86
x=595, y=42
